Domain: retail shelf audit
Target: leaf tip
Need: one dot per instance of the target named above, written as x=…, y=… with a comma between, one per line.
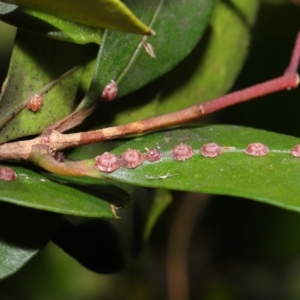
x=113, y=209
x=151, y=32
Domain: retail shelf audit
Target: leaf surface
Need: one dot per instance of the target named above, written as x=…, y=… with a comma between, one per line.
x=119, y=241
x=269, y=179
x=108, y=191
x=23, y=232
x=33, y=190
x=207, y=72
x=112, y=14
x=37, y=61
x=179, y=28
x=49, y=25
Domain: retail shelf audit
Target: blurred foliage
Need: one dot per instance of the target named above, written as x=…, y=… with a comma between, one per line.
x=7, y=33
x=111, y=14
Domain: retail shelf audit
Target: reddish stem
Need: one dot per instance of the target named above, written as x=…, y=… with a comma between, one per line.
x=289, y=80
x=286, y=81
x=294, y=62
x=57, y=141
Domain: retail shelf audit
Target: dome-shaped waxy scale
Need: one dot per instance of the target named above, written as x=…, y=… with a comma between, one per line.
x=7, y=174
x=182, y=152
x=107, y=162
x=296, y=151
x=153, y=155
x=257, y=149
x=110, y=92
x=35, y=103
x=211, y=150
x=132, y=158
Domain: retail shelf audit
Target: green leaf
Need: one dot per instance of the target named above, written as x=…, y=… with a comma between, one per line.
x=108, y=191
x=208, y=72
x=112, y=14
x=36, y=191
x=23, y=232
x=36, y=61
x=179, y=28
x=269, y=179
x=119, y=241
x=49, y=25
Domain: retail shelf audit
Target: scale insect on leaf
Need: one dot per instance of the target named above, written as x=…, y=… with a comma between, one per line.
x=35, y=103
x=107, y=162
x=182, y=152
x=110, y=92
x=7, y=174
x=132, y=158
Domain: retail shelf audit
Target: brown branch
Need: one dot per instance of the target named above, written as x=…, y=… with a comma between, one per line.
x=288, y=80
x=56, y=141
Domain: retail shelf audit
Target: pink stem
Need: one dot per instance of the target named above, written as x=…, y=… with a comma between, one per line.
x=288, y=80
x=294, y=62
x=58, y=141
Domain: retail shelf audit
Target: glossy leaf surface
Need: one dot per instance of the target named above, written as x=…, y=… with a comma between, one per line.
x=207, y=72
x=36, y=61
x=179, y=27
x=269, y=179
x=23, y=232
x=33, y=190
x=108, y=191
x=107, y=246
x=112, y=14
x=49, y=25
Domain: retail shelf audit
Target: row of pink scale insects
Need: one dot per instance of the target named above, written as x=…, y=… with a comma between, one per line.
x=109, y=162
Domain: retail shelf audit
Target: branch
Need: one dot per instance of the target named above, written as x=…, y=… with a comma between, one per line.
x=55, y=141
x=289, y=80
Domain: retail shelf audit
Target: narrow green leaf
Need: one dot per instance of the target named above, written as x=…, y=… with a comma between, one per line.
x=107, y=246
x=36, y=191
x=36, y=61
x=207, y=72
x=108, y=191
x=49, y=25
x=112, y=14
x=125, y=57
x=269, y=179
x=23, y=232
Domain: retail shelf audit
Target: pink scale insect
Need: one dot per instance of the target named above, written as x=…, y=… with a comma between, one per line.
x=110, y=92
x=182, y=152
x=107, y=162
x=35, y=103
x=153, y=155
x=211, y=150
x=131, y=159
x=7, y=174
x=295, y=151
x=257, y=149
